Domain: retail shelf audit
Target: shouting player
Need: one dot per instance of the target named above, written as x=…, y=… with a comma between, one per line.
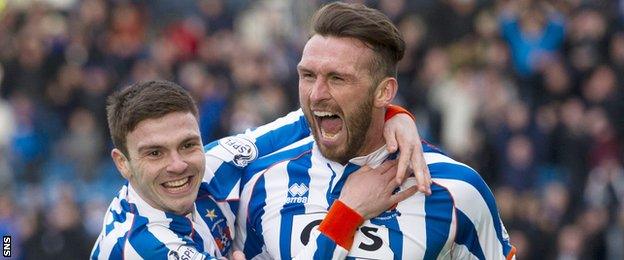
x=295, y=204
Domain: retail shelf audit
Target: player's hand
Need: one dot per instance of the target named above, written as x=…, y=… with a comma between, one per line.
x=238, y=255
x=369, y=191
x=400, y=133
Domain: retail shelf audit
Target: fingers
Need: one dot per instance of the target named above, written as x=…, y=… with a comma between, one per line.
x=402, y=195
x=365, y=168
x=391, y=140
x=404, y=159
x=238, y=255
x=419, y=166
x=390, y=182
x=386, y=167
x=423, y=177
x=390, y=172
x=421, y=172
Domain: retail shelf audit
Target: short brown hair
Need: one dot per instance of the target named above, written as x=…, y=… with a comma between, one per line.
x=367, y=25
x=144, y=100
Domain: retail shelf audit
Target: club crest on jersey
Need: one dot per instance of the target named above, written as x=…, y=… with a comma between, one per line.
x=243, y=150
x=297, y=193
x=222, y=235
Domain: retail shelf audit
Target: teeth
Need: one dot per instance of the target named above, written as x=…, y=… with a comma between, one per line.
x=328, y=135
x=323, y=113
x=176, y=184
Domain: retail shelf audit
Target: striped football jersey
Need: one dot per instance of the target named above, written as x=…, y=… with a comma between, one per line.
x=132, y=229
x=287, y=194
x=135, y=230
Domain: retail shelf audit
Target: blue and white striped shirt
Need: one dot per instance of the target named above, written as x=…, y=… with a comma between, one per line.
x=286, y=195
x=133, y=229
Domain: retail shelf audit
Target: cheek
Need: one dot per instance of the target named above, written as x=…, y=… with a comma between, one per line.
x=198, y=159
x=347, y=100
x=305, y=89
x=146, y=172
x=304, y=94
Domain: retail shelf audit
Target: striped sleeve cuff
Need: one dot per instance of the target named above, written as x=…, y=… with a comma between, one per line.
x=340, y=224
x=393, y=110
x=512, y=253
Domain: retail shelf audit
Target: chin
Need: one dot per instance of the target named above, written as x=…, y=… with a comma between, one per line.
x=337, y=154
x=184, y=208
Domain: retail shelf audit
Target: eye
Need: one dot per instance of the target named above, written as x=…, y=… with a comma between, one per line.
x=154, y=154
x=189, y=145
x=336, y=79
x=306, y=75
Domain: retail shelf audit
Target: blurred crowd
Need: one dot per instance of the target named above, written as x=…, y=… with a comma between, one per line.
x=529, y=93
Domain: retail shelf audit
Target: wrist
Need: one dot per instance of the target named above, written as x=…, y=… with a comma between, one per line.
x=341, y=223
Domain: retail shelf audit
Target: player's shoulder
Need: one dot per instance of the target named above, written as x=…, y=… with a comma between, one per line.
x=154, y=240
x=138, y=218
x=289, y=153
x=154, y=237
x=121, y=221
x=446, y=170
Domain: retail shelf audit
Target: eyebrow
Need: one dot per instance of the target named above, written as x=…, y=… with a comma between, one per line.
x=346, y=76
x=149, y=147
x=342, y=75
x=191, y=138
x=302, y=68
x=157, y=146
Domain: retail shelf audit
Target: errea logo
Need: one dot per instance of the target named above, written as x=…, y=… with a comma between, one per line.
x=297, y=189
x=296, y=193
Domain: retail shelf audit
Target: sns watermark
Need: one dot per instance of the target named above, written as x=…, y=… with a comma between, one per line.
x=6, y=246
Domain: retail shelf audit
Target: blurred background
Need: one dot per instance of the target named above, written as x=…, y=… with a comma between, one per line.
x=530, y=93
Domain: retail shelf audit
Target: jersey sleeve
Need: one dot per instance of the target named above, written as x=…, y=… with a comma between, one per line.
x=480, y=231
x=226, y=158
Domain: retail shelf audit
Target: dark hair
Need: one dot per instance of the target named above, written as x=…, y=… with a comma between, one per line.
x=144, y=100
x=367, y=25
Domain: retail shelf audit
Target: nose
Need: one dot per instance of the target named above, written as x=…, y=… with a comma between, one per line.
x=177, y=163
x=319, y=91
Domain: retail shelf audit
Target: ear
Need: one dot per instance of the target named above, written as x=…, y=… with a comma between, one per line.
x=122, y=163
x=385, y=92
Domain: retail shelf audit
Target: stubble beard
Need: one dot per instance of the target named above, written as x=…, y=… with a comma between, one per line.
x=357, y=126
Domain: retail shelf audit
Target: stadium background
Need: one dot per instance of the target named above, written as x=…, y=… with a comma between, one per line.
x=528, y=93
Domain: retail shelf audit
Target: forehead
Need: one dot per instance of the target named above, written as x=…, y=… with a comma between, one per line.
x=170, y=129
x=335, y=53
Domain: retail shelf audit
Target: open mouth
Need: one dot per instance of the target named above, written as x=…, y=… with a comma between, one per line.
x=177, y=186
x=329, y=124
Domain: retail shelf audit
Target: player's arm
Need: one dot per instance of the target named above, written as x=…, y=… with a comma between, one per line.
x=479, y=230
x=241, y=149
x=401, y=134
x=366, y=194
x=226, y=157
